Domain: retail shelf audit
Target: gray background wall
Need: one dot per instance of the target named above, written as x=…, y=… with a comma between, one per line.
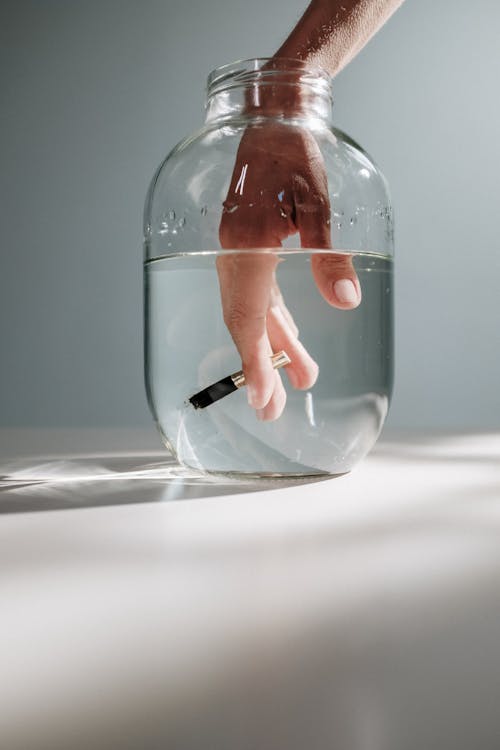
x=93, y=94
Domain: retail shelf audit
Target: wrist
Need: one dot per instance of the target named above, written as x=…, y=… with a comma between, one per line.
x=282, y=87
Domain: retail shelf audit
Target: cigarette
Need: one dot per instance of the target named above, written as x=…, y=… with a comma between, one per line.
x=231, y=383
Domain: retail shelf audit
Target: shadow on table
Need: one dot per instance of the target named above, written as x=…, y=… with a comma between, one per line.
x=37, y=484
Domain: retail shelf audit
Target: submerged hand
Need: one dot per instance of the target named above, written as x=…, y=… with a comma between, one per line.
x=278, y=188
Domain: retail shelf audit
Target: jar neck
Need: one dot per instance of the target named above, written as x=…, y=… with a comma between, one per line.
x=269, y=87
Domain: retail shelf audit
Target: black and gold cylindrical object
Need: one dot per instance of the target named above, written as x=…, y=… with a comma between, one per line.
x=231, y=383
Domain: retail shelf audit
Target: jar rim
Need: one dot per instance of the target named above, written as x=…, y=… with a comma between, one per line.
x=269, y=71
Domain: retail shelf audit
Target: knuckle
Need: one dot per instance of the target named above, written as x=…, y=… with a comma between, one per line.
x=335, y=264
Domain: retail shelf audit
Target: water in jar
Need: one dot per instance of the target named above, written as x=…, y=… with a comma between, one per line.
x=326, y=429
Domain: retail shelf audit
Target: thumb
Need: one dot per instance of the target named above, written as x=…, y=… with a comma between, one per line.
x=336, y=279
x=333, y=272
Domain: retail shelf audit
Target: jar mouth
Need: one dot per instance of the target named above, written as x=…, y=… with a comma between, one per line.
x=269, y=71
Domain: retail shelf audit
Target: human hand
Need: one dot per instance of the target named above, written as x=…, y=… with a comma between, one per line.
x=278, y=188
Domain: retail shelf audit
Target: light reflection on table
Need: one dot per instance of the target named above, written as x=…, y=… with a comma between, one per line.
x=361, y=612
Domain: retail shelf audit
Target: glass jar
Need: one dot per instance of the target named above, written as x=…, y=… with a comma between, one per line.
x=204, y=225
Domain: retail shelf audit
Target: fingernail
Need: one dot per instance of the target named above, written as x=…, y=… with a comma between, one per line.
x=346, y=292
x=260, y=414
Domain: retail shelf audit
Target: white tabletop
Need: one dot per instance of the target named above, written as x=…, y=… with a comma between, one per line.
x=360, y=612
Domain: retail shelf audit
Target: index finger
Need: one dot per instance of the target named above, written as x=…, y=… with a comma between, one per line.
x=245, y=280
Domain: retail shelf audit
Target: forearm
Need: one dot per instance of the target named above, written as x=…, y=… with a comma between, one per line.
x=332, y=32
